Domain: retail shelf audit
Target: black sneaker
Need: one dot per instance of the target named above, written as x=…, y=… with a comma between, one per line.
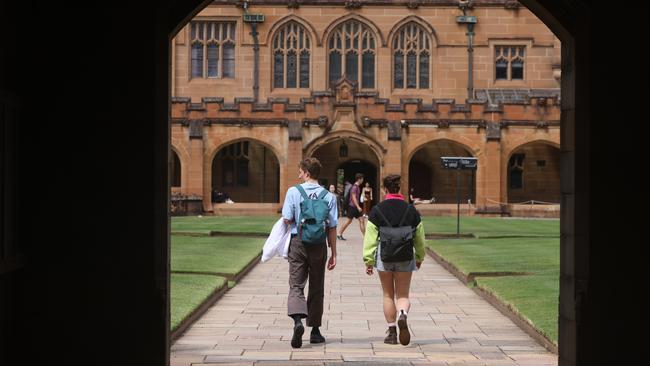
x=391, y=337
x=404, y=335
x=342, y=238
x=298, y=331
x=316, y=338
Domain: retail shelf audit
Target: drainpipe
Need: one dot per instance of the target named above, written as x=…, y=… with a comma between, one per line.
x=253, y=19
x=470, y=21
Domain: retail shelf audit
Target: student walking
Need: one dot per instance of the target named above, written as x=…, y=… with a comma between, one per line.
x=313, y=215
x=394, y=245
x=354, y=207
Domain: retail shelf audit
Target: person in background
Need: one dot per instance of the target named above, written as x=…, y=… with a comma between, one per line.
x=366, y=199
x=354, y=207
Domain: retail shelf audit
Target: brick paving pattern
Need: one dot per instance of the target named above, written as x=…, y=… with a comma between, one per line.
x=450, y=324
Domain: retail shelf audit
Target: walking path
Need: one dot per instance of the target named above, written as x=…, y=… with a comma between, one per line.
x=450, y=324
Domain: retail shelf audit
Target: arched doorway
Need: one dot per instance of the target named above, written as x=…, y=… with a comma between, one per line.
x=349, y=170
x=175, y=171
x=534, y=174
x=429, y=180
x=247, y=171
x=343, y=158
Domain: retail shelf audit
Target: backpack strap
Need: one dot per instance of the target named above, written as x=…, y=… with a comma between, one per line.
x=401, y=223
x=382, y=216
x=302, y=191
x=323, y=193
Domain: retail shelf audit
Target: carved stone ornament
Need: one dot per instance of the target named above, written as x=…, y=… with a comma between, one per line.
x=413, y=4
x=512, y=4
x=196, y=129
x=493, y=131
x=353, y=4
x=345, y=90
x=293, y=4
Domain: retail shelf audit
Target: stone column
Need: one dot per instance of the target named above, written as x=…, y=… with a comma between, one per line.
x=488, y=174
x=289, y=177
x=195, y=167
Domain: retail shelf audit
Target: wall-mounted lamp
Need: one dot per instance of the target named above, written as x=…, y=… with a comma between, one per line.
x=343, y=150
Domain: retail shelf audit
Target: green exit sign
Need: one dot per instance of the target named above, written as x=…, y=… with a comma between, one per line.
x=466, y=19
x=254, y=18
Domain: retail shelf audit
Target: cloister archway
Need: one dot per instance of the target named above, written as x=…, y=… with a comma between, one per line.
x=247, y=171
x=429, y=180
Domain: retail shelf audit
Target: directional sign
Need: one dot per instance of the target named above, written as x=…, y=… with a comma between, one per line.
x=254, y=18
x=458, y=162
x=466, y=19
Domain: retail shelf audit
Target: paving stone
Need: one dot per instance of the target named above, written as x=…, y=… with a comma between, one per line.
x=449, y=323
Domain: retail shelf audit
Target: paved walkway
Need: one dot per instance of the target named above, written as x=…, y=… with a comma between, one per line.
x=450, y=324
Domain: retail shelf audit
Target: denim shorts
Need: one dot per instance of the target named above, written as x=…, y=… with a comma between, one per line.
x=405, y=266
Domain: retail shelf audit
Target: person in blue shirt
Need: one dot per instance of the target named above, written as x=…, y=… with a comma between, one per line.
x=308, y=262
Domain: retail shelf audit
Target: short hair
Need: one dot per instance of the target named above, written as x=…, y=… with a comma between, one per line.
x=358, y=176
x=392, y=183
x=311, y=166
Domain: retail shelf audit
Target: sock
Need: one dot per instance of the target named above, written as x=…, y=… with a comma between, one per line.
x=315, y=330
x=404, y=312
x=296, y=319
x=391, y=325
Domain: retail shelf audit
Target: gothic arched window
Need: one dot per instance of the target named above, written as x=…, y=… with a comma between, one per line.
x=352, y=53
x=212, y=49
x=411, y=57
x=291, y=51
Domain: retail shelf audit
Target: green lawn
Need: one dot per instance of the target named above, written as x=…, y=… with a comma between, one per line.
x=534, y=296
x=239, y=224
x=188, y=291
x=209, y=254
x=493, y=226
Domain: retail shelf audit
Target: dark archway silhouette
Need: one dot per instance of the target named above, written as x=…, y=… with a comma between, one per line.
x=175, y=170
x=114, y=308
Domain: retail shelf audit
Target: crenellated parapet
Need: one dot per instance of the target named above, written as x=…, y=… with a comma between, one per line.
x=491, y=111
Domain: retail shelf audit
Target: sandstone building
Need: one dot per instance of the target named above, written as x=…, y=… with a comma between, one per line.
x=377, y=87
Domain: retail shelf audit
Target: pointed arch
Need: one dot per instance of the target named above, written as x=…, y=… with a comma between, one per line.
x=352, y=16
x=213, y=150
x=516, y=146
x=374, y=145
x=431, y=32
x=289, y=18
x=473, y=150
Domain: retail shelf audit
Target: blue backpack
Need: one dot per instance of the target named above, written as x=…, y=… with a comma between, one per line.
x=314, y=215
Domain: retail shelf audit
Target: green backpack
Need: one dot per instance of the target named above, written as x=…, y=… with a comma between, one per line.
x=314, y=215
